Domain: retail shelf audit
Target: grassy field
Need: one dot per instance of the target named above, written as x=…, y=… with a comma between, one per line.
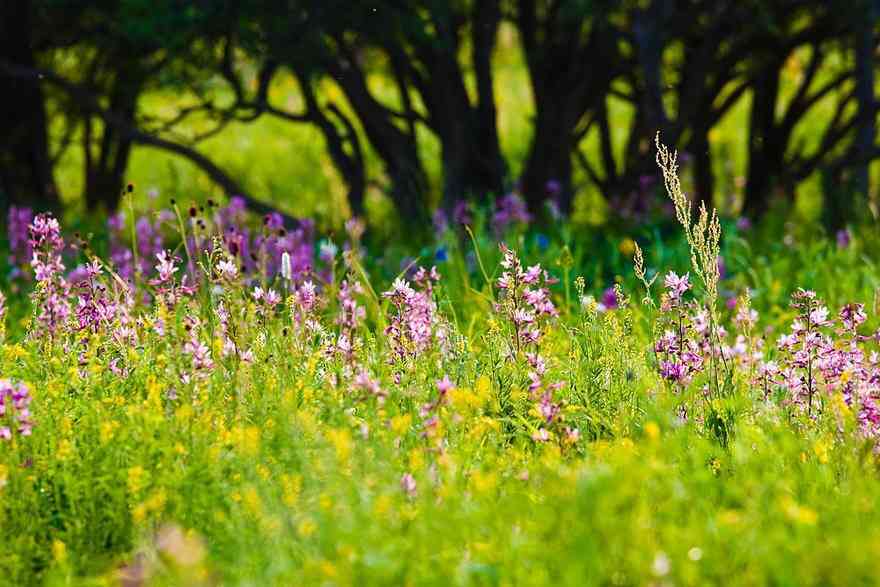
x=207, y=416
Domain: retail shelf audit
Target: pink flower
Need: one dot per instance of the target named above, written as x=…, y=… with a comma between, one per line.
x=676, y=285
x=408, y=484
x=228, y=269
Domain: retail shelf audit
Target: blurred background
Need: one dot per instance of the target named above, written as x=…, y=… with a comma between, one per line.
x=400, y=111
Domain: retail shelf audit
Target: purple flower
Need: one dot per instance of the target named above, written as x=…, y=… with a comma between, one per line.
x=15, y=415
x=20, y=250
x=408, y=484
x=461, y=213
x=743, y=224
x=844, y=238
x=415, y=325
x=509, y=210
x=676, y=285
x=608, y=300
x=440, y=222
x=52, y=296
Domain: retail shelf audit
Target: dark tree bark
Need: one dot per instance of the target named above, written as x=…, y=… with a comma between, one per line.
x=349, y=162
x=561, y=56
x=396, y=148
x=865, y=96
x=764, y=154
x=107, y=156
x=703, y=173
x=25, y=164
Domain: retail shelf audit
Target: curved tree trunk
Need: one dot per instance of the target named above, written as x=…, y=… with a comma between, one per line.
x=105, y=174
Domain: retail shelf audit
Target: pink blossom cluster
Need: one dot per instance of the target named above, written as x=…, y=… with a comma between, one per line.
x=822, y=356
x=15, y=415
x=52, y=291
x=415, y=325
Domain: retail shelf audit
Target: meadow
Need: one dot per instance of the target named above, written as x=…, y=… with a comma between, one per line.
x=194, y=396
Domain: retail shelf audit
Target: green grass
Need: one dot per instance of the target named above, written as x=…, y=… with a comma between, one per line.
x=271, y=474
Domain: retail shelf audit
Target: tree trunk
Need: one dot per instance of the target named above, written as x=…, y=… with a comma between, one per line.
x=549, y=158
x=486, y=148
x=349, y=163
x=398, y=150
x=105, y=174
x=25, y=165
x=867, y=126
x=703, y=174
x=765, y=156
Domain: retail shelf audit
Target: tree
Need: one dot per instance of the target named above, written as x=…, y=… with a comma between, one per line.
x=25, y=163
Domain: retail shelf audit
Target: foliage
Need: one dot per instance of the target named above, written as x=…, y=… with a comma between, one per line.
x=198, y=398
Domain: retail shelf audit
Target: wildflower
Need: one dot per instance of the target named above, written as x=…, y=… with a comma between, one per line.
x=227, y=269
x=364, y=382
x=355, y=228
x=20, y=248
x=676, y=285
x=852, y=316
x=166, y=267
x=15, y=415
x=286, y=268
x=608, y=300
x=327, y=251
x=408, y=484
x=444, y=385
x=440, y=223
x=509, y=210
x=272, y=298
x=461, y=213
x=415, y=326
x=2, y=315
x=51, y=295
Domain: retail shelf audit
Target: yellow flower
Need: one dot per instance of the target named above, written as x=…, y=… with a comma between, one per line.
x=820, y=448
x=627, y=247
x=382, y=506
x=252, y=501
x=483, y=482
x=483, y=389
x=139, y=513
x=59, y=551
x=306, y=527
x=342, y=443
x=291, y=486
x=137, y=479
x=798, y=513
x=328, y=569
x=416, y=459
x=729, y=517
x=652, y=431
x=156, y=502
x=108, y=430
x=400, y=424
x=65, y=449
